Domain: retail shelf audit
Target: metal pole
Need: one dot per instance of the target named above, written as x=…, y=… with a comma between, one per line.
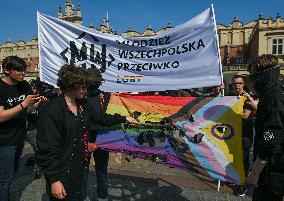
x=219, y=185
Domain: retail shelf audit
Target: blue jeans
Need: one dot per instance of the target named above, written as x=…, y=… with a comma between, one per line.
x=101, y=160
x=9, y=158
x=31, y=139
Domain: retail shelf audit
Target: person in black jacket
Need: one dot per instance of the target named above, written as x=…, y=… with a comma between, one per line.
x=268, y=172
x=65, y=136
x=62, y=137
x=97, y=105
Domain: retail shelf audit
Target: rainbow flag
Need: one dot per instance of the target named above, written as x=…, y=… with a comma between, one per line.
x=218, y=155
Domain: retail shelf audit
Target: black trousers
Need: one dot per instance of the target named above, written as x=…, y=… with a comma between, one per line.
x=101, y=158
x=264, y=190
x=246, y=152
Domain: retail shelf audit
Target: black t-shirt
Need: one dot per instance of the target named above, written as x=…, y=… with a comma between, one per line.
x=247, y=126
x=13, y=131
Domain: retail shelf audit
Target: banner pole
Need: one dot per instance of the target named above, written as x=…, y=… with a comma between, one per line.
x=219, y=184
x=217, y=45
x=39, y=47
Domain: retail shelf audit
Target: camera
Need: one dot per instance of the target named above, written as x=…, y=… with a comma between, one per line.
x=44, y=89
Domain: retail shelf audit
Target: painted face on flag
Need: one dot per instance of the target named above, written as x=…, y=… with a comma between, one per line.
x=217, y=155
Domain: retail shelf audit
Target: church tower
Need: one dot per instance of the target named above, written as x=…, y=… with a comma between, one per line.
x=70, y=14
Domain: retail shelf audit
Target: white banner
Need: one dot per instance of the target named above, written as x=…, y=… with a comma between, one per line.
x=184, y=57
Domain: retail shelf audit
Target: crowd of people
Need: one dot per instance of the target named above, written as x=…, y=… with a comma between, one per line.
x=62, y=128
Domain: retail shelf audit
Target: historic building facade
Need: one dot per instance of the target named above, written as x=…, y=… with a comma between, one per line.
x=29, y=50
x=238, y=42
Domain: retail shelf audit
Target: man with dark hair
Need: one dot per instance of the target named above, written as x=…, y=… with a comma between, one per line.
x=14, y=100
x=97, y=105
x=247, y=126
x=268, y=172
x=247, y=118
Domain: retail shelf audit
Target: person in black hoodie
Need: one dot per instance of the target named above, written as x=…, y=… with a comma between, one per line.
x=268, y=172
x=97, y=105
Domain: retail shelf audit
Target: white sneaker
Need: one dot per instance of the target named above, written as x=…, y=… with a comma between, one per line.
x=240, y=190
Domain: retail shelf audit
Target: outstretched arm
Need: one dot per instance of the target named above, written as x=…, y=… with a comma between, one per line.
x=8, y=114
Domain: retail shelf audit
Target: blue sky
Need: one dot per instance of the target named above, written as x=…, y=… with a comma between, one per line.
x=18, y=17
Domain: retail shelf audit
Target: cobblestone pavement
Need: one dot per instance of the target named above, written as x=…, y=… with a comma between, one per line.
x=136, y=180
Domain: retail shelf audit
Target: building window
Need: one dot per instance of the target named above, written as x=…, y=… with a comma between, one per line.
x=277, y=46
x=239, y=59
x=229, y=38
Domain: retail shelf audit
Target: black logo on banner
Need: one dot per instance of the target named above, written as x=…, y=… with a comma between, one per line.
x=81, y=54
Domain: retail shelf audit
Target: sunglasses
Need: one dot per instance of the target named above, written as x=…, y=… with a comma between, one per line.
x=20, y=70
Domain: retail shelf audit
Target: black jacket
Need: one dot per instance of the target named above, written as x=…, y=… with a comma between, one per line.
x=61, y=149
x=269, y=125
x=60, y=133
x=59, y=139
x=98, y=119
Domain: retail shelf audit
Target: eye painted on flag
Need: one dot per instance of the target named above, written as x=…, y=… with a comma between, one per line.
x=223, y=131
